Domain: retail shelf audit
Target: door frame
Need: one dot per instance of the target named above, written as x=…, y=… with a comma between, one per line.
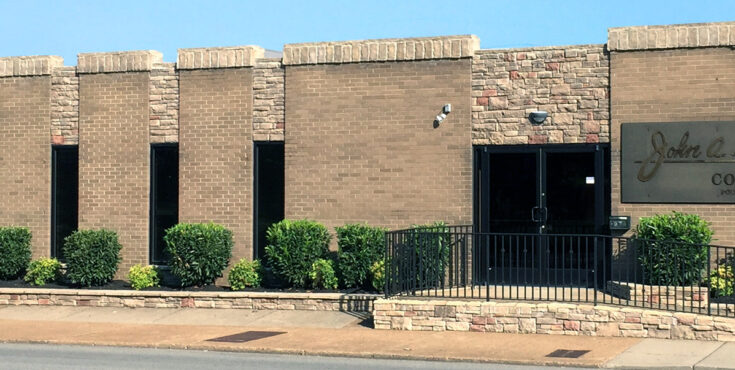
x=481, y=178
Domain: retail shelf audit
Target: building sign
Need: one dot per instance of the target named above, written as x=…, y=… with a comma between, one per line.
x=678, y=162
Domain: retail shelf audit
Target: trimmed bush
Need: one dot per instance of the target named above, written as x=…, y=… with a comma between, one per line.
x=431, y=242
x=322, y=275
x=92, y=257
x=377, y=274
x=15, y=251
x=722, y=282
x=360, y=246
x=672, y=248
x=245, y=274
x=293, y=247
x=142, y=277
x=199, y=252
x=43, y=271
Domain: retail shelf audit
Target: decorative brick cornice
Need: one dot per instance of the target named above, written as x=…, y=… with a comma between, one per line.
x=224, y=57
x=37, y=65
x=382, y=50
x=120, y=61
x=694, y=35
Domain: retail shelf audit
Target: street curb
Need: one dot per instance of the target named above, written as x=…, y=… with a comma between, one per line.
x=282, y=351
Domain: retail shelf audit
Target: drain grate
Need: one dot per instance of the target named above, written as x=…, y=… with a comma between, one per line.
x=567, y=353
x=246, y=336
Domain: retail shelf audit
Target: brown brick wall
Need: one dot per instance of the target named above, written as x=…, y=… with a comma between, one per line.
x=361, y=146
x=114, y=159
x=669, y=86
x=25, y=156
x=215, y=151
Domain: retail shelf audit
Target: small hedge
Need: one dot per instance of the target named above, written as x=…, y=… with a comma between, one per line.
x=377, y=274
x=245, y=274
x=322, y=275
x=92, y=257
x=360, y=246
x=672, y=248
x=43, y=271
x=293, y=247
x=15, y=251
x=722, y=282
x=142, y=277
x=199, y=252
x=431, y=245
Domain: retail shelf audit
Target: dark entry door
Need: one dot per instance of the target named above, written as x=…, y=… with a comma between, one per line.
x=535, y=209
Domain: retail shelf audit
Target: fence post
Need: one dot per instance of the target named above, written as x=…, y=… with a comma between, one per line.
x=385, y=266
x=709, y=285
x=594, y=272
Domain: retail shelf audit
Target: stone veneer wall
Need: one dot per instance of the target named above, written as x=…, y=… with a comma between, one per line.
x=548, y=318
x=65, y=106
x=164, y=103
x=269, y=106
x=152, y=299
x=570, y=83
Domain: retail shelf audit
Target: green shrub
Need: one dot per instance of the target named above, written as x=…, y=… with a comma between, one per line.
x=199, y=252
x=293, y=247
x=722, y=282
x=43, y=271
x=377, y=273
x=360, y=246
x=92, y=257
x=431, y=246
x=15, y=251
x=142, y=277
x=672, y=250
x=245, y=274
x=322, y=275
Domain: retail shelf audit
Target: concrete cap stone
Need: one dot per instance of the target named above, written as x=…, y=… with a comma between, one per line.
x=219, y=57
x=37, y=65
x=694, y=35
x=119, y=61
x=381, y=50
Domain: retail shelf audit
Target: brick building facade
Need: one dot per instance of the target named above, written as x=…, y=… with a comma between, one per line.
x=357, y=123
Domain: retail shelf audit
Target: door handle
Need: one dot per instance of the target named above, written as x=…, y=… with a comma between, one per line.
x=539, y=214
x=535, y=213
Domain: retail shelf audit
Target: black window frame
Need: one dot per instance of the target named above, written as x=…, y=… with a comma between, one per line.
x=56, y=246
x=256, y=190
x=153, y=214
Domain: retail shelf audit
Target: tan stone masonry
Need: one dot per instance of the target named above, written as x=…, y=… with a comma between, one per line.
x=382, y=50
x=37, y=65
x=549, y=318
x=671, y=36
x=160, y=299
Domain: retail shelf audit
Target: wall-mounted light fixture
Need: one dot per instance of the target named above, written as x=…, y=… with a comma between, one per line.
x=446, y=109
x=538, y=117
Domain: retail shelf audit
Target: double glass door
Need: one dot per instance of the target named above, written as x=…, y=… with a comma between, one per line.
x=536, y=207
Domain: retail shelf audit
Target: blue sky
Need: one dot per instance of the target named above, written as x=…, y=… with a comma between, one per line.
x=69, y=27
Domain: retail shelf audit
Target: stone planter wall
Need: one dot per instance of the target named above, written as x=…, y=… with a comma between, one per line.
x=163, y=299
x=684, y=296
x=548, y=318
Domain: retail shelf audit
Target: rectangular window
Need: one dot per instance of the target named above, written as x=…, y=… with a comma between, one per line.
x=164, y=198
x=64, y=195
x=269, y=191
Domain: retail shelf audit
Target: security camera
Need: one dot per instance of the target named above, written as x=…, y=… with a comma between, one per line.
x=441, y=117
x=537, y=117
x=447, y=108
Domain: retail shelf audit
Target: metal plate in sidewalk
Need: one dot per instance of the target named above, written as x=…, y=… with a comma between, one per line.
x=246, y=336
x=567, y=353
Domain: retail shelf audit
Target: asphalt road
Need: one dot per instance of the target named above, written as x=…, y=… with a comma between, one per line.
x=42, y=356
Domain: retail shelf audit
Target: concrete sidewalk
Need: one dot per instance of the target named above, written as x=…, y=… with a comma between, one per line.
x=337, y=333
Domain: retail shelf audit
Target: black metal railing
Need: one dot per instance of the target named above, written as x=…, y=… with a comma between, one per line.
x=457, y=262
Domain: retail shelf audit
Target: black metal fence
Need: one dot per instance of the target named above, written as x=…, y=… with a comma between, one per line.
x=456, y=262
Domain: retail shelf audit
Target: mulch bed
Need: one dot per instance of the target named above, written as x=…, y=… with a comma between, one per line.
x=123, y=285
